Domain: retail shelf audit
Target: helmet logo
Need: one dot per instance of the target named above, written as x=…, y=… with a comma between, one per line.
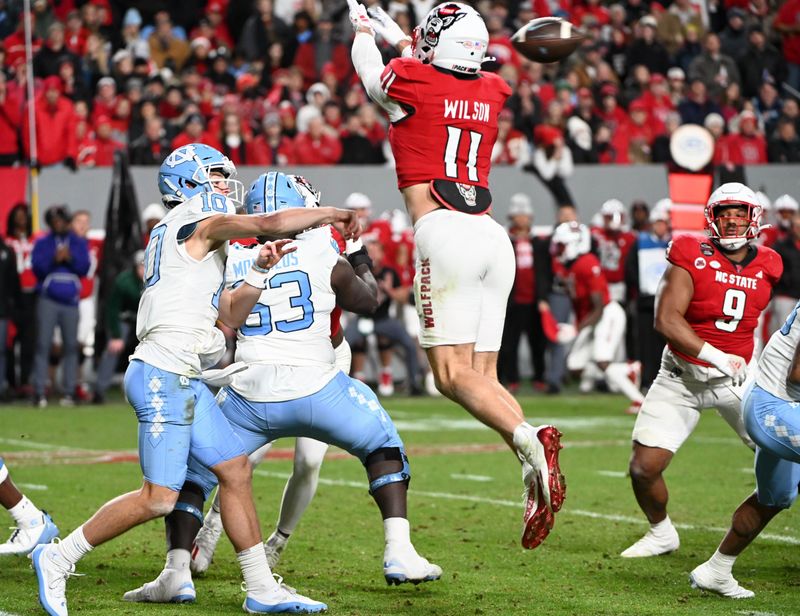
x=445, y=17
x=180, y=156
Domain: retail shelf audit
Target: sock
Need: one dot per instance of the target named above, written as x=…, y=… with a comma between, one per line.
x=282, y=534
x=74, y=547
x=662, y=529
x=396, y=530
x=722, y=564
x=25, y=513
x=257, y=575
x=178, y=560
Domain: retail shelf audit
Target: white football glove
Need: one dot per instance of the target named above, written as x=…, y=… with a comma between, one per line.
x=566, y=333
x=727, y=363
x=384, y=25
x=359, y=18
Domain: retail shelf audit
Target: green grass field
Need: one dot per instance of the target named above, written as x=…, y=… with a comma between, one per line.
x=465, y=511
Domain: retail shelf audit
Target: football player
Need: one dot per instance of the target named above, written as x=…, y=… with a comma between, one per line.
x=443, y=111
x=614, y=243
x=707, y=307
x=33, y=526
x=600, y=322
x=293, y=387
x=183, y=298
x=771, y=418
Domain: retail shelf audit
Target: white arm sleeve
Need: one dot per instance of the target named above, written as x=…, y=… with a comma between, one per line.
x=369, y=66
x=545, y=166
x=565, y=167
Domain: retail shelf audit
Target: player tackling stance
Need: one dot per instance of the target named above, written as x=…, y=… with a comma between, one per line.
x=770, y=414
x=178, y=417
x=707, y=307
x=443, y=111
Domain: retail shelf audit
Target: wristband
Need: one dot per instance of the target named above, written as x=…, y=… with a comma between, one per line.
x=360, y=257
x=257, y=277
x=712, y=355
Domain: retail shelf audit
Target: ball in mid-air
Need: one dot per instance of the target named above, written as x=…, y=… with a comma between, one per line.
x=547, y=39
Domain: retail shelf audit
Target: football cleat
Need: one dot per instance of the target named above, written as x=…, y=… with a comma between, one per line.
x=280, y=599
x=402, y=565
x=171, y=586
x=24, y=538
x=52, y=573
x=652, y=545
x=545, y=486
x=206, y=542
x=704, y=578
x=274, y=547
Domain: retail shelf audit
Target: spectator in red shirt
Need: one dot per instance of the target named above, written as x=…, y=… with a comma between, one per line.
x=787, y=22
x=10, y=122
x=15, y=43
x=640, y=133
x=658, y=102
x=511, y=147
x=319, y=145
x=55, y=127
x=106, y=98
x=105, y=143
x=591, y=11
x=747, y=147
x=75, y=34
x=194, y=131
x=272, y=147
x=215, y=13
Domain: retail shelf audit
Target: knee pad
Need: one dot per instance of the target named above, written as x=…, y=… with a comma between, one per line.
x=389, y=453
x=3, y=471
x=190, y=500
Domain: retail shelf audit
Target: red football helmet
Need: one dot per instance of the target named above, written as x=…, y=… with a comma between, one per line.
x=728, y=195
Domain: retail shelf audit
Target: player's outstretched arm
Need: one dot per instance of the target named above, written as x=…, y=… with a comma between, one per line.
x=236, y=304
x=596, y=312
x=283, y=224
x=352, y=280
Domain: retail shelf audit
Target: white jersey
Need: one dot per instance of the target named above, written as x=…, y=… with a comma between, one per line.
x=286, y=340
x=179, y=306
x=776, y=360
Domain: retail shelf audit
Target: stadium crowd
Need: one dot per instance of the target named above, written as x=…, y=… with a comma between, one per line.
x=270, y=82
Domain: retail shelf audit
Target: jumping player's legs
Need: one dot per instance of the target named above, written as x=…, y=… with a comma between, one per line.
x=33, y=526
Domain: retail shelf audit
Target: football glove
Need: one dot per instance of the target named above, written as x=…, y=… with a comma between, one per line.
x=386, y=27
x=359, y=18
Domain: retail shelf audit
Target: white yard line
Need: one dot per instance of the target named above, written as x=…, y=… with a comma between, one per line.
x=36, y=487
x=33, y=444
x=482, y=478
x=615, y=474
x=788, y=539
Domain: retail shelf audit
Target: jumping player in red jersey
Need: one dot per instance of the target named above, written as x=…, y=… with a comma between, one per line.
x=443, y=111
x=707, y=307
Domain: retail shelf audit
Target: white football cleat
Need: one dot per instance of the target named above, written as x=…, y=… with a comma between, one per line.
x=171, y=586
x=24, y=538
x=274, y=547
x=52, y=573
x=280, y=599
x=402, y=565
x=705, y=578
x=650, y=545
x=206, y=542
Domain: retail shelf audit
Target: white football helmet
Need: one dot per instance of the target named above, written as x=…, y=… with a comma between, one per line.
x=613, y=212
x=570, y=240
x=727, y=195
x=452, y=36
x=786, y=202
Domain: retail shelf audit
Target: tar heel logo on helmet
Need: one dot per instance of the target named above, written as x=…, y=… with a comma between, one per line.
x=180, y=156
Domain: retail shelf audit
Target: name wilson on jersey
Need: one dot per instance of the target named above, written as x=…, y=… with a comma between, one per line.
x=467, y=110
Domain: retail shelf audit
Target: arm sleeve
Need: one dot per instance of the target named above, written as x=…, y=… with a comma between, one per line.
x=369, y=66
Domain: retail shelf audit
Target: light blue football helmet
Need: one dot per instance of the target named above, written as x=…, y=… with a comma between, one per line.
x=275, y=191
x=186, y=173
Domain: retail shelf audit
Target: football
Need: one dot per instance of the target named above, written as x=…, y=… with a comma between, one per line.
x=547, y=39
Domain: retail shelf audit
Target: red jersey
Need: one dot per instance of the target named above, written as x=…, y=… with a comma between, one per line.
x=451, y=123
x=585, y=277
x=728, y=298
x=613, y=247
x=524, y=289
x=788, y=15
x=95, y=241
x=23, y=248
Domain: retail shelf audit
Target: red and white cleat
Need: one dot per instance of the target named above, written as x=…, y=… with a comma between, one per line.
x=545, y=490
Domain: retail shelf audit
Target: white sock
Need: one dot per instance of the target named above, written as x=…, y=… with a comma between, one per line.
x=396, y=530
x=722, y=564
x=256, y=572
x=617, y=375
x=662, y=529
x=178, y=560
x=301, y=486
x=74, y=547
x=25, y=513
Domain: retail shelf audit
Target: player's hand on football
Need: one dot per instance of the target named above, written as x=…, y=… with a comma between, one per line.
x=359, y=17
x=385, y=26
x=736, y=368
x=347, y=224
x=272, y=252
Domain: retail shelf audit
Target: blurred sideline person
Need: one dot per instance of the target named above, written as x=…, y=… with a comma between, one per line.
x=178, y=416
x=442, y=160
x=60, y=258
x=613, y=242
x=707, y=307
x=10, y=294
x=787, y=291
x=522, y=312
x=644, y=267
x=770, y=415
x=292, y=386
x=33, y=525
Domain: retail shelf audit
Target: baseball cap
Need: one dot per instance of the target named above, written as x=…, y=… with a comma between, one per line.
x=357, y=201
x=520, y=205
